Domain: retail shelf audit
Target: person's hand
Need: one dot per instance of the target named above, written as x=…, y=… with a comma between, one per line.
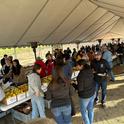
x=37, y=93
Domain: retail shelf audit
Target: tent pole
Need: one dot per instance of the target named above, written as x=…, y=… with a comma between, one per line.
x=52, y=49
x=62, y=47
x=34, y=50
x=78, y=46
x=15, y=54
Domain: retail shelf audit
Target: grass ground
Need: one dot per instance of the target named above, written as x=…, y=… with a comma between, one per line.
x=25, y=55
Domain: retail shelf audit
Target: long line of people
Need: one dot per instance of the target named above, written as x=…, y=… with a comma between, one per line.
x=92, y=76
x=12, y=70
x=94, y=64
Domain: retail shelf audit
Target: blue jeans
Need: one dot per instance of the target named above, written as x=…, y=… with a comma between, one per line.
x=62, y=114
x=87, y=112
x=103, y=86
x=111, y=72
x=38, y=107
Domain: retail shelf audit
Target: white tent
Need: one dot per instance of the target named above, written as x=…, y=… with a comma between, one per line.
x=59, y=21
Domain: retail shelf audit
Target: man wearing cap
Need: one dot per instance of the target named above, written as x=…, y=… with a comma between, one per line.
x=100, y=68
x=107, y=55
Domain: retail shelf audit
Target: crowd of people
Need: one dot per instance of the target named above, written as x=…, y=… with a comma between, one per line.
x=12, y=70
x=95, y=65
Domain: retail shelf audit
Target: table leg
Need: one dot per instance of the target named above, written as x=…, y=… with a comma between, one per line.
x=13, y=119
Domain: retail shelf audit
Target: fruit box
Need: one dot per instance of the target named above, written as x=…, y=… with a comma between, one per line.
x=10, y=100
x=21, y=96
x=27, y=94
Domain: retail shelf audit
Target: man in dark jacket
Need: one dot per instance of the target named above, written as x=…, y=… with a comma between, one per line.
x=3, y=60
x=120, y=52
x=100, y=68
x=86, y=91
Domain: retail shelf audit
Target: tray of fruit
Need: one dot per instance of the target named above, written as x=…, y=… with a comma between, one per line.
x=10, y=96
x=23, y=87
x=47, y=79
x=13, y=94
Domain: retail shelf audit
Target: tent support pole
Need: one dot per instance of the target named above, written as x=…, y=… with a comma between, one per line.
x=78, y=46
x=34, y=50
x=15, y=54
x=52, y=48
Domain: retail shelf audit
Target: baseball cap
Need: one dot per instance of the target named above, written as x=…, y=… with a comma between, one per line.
x=98, y=53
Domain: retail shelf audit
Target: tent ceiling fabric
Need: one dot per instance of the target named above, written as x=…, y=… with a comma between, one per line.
x=115, y=6
x=59, y=21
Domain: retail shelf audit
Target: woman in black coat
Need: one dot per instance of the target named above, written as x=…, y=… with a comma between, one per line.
x=86, y=91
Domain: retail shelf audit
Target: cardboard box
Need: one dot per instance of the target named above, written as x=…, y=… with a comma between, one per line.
x=27, y=94
x=21, y=96
x=10, y=100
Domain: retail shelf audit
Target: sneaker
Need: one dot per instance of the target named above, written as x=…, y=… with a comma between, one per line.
x=112, y=80
x=96, y=102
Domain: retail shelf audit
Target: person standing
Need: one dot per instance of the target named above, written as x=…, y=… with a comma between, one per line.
x=3, y=60
x=120, y=52
x=90, y=55
x=59, y=92
x=43, y=72
x=69, y=51
x=74, y=55
x=68, y=65
x=18, y=73
x=79, y=55
x=100, y=68
x=37, y=95
x=86, y=91
x=7, y=70
x=68, y=69
x=107, y=55
x=49, y=64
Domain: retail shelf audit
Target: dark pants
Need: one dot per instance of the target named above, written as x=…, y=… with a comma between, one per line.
x=103, y=86
x=73, y=112
x=121, y=58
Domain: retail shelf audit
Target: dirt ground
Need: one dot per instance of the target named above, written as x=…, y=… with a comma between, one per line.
x=112, y=114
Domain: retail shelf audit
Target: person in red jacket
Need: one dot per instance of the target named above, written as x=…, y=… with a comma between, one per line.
x=44, y=71
x=49, y=63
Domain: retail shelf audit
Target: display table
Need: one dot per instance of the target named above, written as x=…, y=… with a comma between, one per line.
x=4, y=107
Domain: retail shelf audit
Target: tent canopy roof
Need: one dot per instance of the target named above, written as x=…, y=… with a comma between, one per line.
x=59, y=21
